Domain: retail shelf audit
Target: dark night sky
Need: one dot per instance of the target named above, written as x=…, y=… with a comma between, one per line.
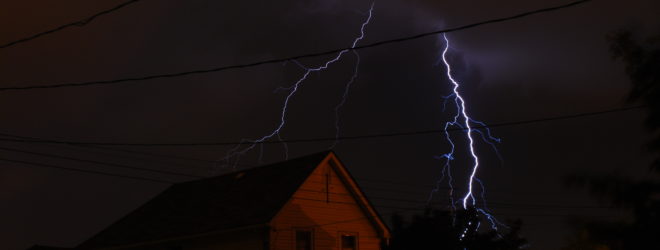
x=541, y=66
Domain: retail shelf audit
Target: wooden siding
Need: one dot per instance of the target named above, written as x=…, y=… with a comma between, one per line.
x=324, y=205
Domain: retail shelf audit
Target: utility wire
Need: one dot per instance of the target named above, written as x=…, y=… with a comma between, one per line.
x=490, y=203
x=407, y=209
x=493, y=204
x=321, y=139
x=423, y=208
x=91, y=148
x=35, y=164
x=78, y=23
x=97, y=162
x=169, y=182
x=294, y=58
x=440, y=189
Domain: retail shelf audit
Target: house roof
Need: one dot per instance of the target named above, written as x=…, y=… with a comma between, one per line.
x=240, y=199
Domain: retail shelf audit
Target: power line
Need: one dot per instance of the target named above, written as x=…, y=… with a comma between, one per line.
x=78, y=23
x=91, y=161
x=90, y=148
x=83, y=170
x=292, y=58
x=494, y=204
x=490, y=203
x=440, y=190
x=97, y=162
x=114, y=164
x=526, y=205
x=170, y=156
x=407, y=209
x=162, y=181
x=321, y=139
x=361, y=179
x=187, y=175
x=423, y=208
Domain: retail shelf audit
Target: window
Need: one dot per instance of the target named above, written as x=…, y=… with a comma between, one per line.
x=348, y=242
x=304, y=240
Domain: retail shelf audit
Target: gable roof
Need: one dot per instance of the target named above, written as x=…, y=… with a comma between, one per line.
x=371, y=214
x=244, y=198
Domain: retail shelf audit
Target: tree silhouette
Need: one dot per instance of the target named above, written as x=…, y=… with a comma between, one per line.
x=438, y=229
x=642, y=63
x=642, y=60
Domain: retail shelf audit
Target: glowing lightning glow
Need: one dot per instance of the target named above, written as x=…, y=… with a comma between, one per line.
x=466, y=124
x=463, y=121
x=237, y=152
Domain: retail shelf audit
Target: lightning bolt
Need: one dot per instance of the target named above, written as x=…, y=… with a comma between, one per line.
x=233, y=155
x=463, y=121
x=344, y=97
x=460, y=102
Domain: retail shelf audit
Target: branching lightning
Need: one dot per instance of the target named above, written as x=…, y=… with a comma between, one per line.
x=344, y=97
x=233, y=155
x=462, y=120
x=466, y=125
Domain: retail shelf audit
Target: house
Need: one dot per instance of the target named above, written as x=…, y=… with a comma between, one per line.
x=308, y=203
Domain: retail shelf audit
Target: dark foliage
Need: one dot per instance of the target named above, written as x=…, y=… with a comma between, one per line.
x=639, y=197
x=642, y=198
x=437, y=229
x=642, y=60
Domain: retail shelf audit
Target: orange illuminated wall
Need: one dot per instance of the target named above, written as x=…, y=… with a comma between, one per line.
x=329, y=204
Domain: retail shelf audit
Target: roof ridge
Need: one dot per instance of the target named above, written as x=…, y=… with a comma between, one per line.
x=325, y=152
